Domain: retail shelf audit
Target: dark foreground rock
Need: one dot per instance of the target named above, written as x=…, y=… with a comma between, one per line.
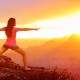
x=12, y=71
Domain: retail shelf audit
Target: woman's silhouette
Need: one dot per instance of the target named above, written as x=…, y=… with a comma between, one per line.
x=10, y=31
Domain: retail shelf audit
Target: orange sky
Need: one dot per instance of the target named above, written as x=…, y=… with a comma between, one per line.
x=33, y=11
x=27, y=11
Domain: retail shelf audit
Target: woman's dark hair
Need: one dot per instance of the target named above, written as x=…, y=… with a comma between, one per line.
x=11, y=23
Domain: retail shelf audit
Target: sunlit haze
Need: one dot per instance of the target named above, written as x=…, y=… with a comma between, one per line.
x=55, y=18
x=55, y=45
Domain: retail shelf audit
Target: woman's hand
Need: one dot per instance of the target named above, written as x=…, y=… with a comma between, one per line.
x=36, y=28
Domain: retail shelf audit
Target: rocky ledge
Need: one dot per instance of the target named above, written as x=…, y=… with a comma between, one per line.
x=9, y=70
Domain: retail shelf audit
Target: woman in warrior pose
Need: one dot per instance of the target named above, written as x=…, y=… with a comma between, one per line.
x=10, y=31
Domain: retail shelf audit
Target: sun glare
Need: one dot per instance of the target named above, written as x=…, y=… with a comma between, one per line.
x=2, y=25
x=58, y=27
x=51, y=28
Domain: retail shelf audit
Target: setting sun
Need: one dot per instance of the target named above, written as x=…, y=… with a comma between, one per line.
x=51, y=28
x=54, y=27
x=45, y=33
x=55, y=18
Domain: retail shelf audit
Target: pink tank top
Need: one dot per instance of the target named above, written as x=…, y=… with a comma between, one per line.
x=11, y=41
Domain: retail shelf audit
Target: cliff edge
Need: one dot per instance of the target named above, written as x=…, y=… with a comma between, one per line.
x=9, y=70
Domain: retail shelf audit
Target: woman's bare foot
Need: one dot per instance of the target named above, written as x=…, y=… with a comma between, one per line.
x=27, y=68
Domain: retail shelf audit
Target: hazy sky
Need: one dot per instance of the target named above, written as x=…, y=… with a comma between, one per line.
x=63, y=16
x=27, y=11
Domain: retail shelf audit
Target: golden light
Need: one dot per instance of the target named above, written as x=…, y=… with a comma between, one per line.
x=2, y=35
x=51, y=28
x=57, y=28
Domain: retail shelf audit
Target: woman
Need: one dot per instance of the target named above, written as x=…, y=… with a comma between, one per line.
x=10, y=43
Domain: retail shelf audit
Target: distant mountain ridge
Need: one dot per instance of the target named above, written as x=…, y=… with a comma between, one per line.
x=57, y=43
x=62, y=52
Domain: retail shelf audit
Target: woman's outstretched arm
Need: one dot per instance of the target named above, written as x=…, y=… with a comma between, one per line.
x=28, y=29
x=2, y=29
